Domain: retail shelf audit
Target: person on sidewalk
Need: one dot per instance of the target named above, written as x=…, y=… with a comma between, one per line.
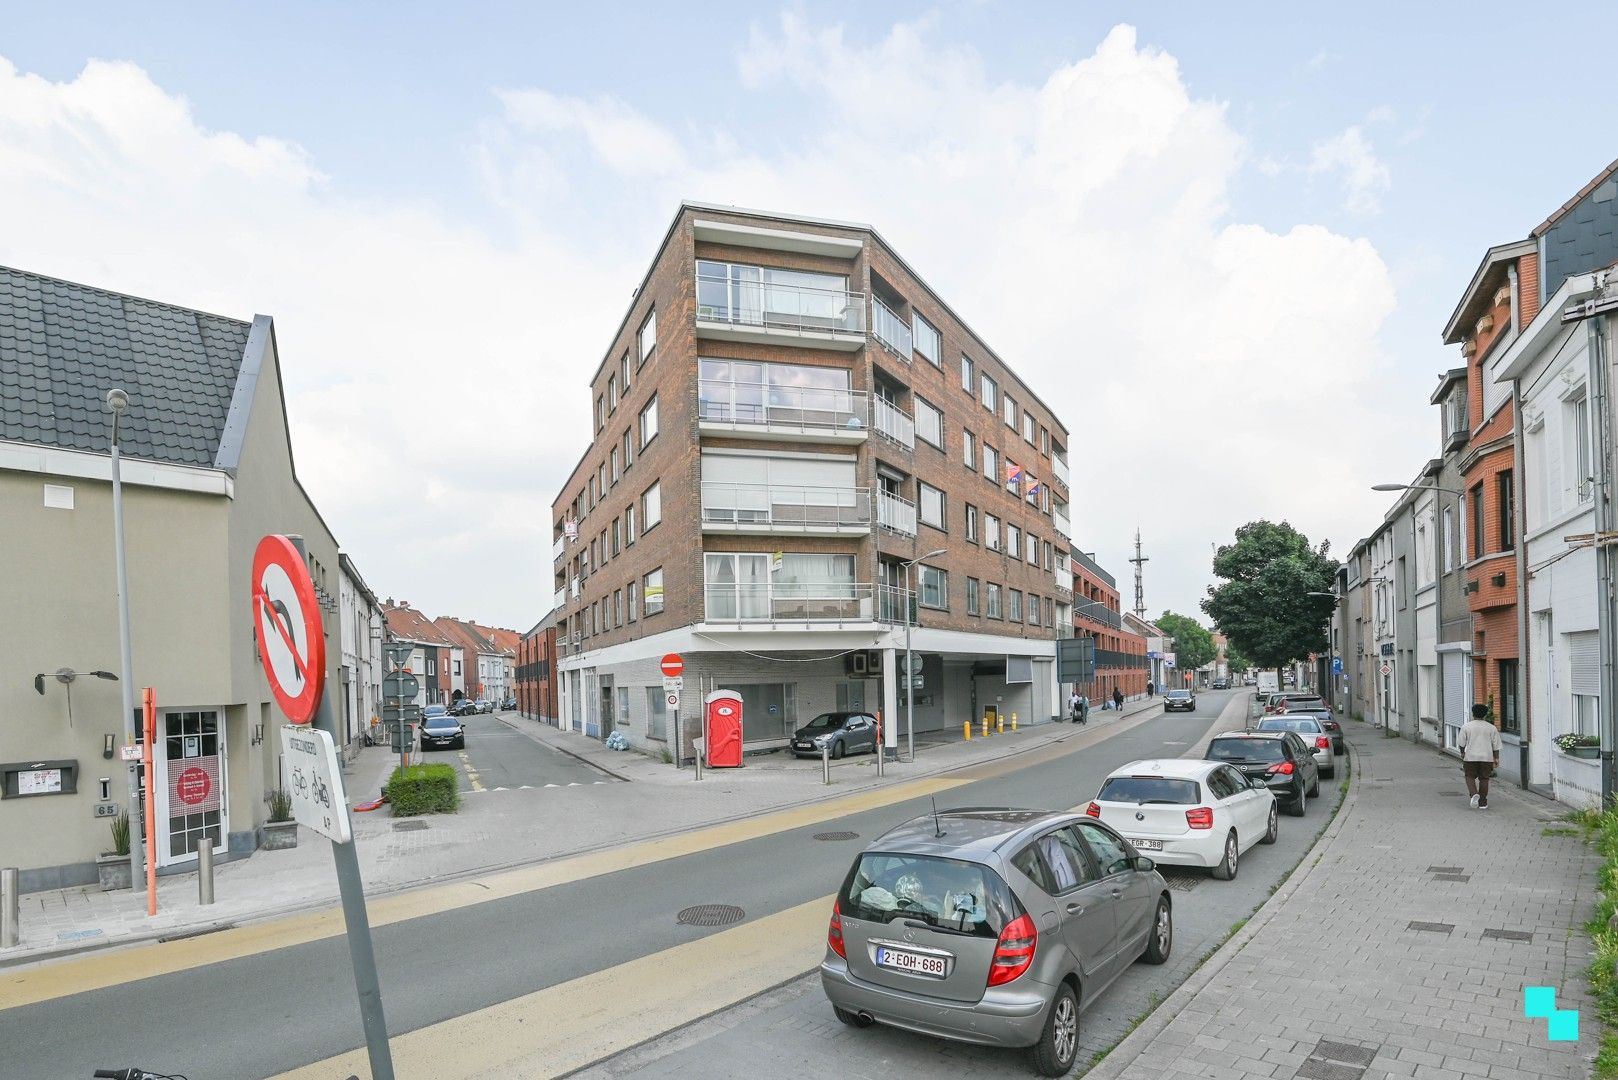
x=1117, y=698
x=1151, y=688
x=1073, y=706
x=1479, y=744
x=1083, y=710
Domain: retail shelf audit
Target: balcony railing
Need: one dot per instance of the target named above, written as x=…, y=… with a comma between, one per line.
x=894, y=604
x=790, y=508
x=1059, y=469
x=895, y=513
x=560, y=598
x=1064, y=579
x=891, y=330
x=895, y=425
x=558, y=548
x=794, y=308
x=1062, y=524
x=794, y=409
x=790, y=602
x=1096, y=611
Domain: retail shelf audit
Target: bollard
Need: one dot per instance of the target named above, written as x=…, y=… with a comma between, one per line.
x=825, y=762
x=999, y=725
x=966, y=729
x=205, y=871
x=10, y=928
x=696, y=756
x=1013, y=721
x=985, y=725
x=881, y=748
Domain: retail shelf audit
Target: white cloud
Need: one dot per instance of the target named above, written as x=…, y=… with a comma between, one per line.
x=1079, y=222
x=1350, y=155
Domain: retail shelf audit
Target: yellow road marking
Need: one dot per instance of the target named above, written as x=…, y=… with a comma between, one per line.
x=569, y=1025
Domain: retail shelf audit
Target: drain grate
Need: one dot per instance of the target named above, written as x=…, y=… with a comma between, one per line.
x=1348, y=1053
x=1508, y=935
x=411, y=825
x=1452, y=877
x=841, y=834
x=1452, y=794
x=1432, y=927
x=710, y=915
x=1181, y=882
x=1445, y=869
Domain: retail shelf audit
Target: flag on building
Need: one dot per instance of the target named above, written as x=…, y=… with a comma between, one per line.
x=1013, y=477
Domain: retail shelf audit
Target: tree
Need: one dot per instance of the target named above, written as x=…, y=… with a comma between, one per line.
x=1263, y=605
x=1193, y=644
x=1234, y=659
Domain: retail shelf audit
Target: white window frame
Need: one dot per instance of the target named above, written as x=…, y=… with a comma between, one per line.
x=647, y=584
x=651, y=501
x=968, y=373
x=941, y=584
x=649, y=410
x=647, y=336
x=916, y=336
x=923, y=491
x=936, y=416
x=989, y=392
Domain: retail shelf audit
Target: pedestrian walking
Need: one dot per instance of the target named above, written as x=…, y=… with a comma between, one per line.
x=1073, y=707
x=1117, y=698
x=1151, y=688
x=1479, y=744
x=1084, y=708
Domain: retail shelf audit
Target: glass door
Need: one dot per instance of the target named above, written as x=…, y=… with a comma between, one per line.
x=191, y=798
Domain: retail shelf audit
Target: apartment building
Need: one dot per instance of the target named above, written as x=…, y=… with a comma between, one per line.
x=536, y=672
x=800, y=448
x=1121, y=661
x=362, y=623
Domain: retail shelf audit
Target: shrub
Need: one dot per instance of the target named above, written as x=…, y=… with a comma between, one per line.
x=280, y=805
x=1601, y=829
x=120, y=833
x=423, y=789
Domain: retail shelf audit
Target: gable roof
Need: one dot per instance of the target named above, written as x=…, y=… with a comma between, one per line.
x=64, y=345
x=465, y=635
x=405, y=623
x=1562, y=211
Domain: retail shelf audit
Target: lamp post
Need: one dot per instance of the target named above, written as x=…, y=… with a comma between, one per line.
x=117, y=403
x=910, y=686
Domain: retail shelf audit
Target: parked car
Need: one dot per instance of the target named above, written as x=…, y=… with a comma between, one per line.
x=1188, y=813
x=1278, y=759
x=483, y=705
x=441, y=730
x=1322, y=713
x=990, y=925
x=1180, y=699
x=1277, y=702
x=842, y=732
x=463, y=707
x=1312, y=730
x=1221, y=684
x=508, y=704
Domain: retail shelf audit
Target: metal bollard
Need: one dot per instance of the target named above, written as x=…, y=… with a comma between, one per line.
x=999, y=725
x=10, y=927
x=696, y=756
x=966, y=729
x=205, y=871
x=825, y=762
x=1013, y=721
x=985, y=725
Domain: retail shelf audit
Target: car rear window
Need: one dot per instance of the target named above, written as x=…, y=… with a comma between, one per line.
x=1179, y=693
x=1246, y=750
x=1307, y=724
x=1149, y=789
x=950, y=894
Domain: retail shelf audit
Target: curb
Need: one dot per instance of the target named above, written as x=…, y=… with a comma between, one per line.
x=1125, y=1053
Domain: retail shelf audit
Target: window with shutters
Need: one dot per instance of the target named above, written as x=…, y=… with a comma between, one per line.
x=1584, y=679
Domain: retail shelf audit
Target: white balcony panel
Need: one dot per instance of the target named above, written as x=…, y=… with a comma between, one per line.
x=782, y=413
x=832, y=603
x=558, y=548
x=896, y=514
x=1063, y=525
x=1059, y=469
x=1064, y=579
x=763, y=509
x=895, y=425
x=892, y=331
x=560, y=599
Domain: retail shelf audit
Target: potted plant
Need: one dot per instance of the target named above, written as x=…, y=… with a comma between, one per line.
x=113, y=866
x=1581, y=746
x=280, y=831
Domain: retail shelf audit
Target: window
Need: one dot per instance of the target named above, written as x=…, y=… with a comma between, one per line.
x=1033, y=549
x=601, y=412
x=926, y=338
x=1044, y=440
x=648, y=422
x=652, y=591
x=933, y=586
x=457, y=669
x=1013, y=540
x=971, y=523
x=971, y=596
x=648, y=336
x=629, y=451
x=601, y=480
x=1033, y=488
x=1050, y=562
x=929, y=423
x=595, y=607
x=634, y=600
x=1033, y=610
x=994, y=601
x=1447, y=540
x=966, y=373
x=651, y=502
x=969, y=449
x=1014, y=606
x=991, y=464
x=432, y=664
x=612, y=393
x=1477, y=521
x=617, y=608
x=617, y=534
x=1507, y=508
x=1050, y=612
x=1109, y=853
x=657, y=714
x=1028, y=428
x=615, y=473
x=623, y=371
x=991, y=532
x=930, y=502
x=1010, y=409
x=592, y=491
x=629, y=526
x=990, y=393
x=1510, y=721
x=1576, y=446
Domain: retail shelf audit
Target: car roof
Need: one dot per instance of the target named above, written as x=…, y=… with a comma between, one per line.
x=973, y=832
x=1250, y=734
x=842, y=712
x=1168, y=768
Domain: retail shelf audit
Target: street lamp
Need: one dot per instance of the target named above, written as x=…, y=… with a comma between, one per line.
x=910, y=686
x=117, y=404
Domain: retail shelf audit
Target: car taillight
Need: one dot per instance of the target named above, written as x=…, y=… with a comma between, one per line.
x=1093, y=810
x=1200, y=818
x=1285, y=768
x=1014, y=951
x=1322, y=743
x=834, y=932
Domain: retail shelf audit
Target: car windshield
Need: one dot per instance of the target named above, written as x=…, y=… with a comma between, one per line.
x=1149, y=789
x=826, y=722
x=1179, y=693
x=1306, y=724
x=949, y=894
x=1265, y=750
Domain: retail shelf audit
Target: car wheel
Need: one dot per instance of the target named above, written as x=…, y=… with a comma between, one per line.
x=1058, y=1044
x=1314, y=788
x=837, y=750
x=1337, y=749
x=1274, y=831
x=1298, y=805
x=1226, y=870
x=1162, y=939
x=852, y=1019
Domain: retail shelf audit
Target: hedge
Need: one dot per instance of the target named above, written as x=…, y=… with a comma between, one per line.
x=423, y=789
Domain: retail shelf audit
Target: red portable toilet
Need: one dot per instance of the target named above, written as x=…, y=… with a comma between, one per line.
x=722, y=729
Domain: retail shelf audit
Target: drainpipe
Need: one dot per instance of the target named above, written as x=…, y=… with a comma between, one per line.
x=1601, y=420
x=1525, y=727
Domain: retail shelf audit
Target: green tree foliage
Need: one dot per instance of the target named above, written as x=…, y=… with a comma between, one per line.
x=1193, y=644
x=1234, y=659
x=1263, y=605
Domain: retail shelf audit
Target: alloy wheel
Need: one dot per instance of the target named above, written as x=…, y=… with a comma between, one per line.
x=1065, y=1032
x=1165, y=928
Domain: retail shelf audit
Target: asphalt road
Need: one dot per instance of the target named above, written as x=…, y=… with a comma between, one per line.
x=498, y=757
x=267, y=1012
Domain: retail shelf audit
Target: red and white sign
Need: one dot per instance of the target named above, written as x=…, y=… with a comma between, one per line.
x=673, y=665
x=194, y=785
x=286, y=621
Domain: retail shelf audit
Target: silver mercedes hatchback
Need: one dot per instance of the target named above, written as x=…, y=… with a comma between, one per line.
x=994, y=926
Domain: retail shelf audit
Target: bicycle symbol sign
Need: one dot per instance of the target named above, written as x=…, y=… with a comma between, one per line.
x=316, y=782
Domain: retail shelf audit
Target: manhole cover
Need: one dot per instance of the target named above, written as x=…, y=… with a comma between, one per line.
x=839, y=835
x=1508, y=935
x=1432, y=927
x=1445, y=869
x=710, y=915
x=1348, y=1053
x=1452, y=877
x=412, y=825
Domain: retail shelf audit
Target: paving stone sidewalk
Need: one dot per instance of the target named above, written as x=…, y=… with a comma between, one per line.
x=1401, y=949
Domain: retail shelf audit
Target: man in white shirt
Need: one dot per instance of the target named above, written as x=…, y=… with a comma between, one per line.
x=1479, y=744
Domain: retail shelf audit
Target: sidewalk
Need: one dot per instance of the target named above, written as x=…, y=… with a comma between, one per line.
x=1400, y=949
x=494, y=830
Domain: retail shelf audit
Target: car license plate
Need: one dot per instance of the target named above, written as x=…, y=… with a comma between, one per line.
x=909, y=961
x=1148, y=845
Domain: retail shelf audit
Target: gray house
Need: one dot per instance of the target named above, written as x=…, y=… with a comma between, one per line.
x=207, y=472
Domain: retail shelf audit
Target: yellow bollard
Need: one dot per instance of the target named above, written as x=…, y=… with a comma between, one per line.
x=966, y=729
x=985, y=725
x=1013, y=721
x=999, y=725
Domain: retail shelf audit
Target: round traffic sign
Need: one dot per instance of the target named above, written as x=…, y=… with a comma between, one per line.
x=286, y=621
x=672, y=664
x=400, y=684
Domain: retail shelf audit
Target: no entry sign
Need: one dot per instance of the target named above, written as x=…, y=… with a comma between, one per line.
x=286, y=620
x=672, y=665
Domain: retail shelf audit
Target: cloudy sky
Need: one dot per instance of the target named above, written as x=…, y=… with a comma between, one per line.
x=1219, y=240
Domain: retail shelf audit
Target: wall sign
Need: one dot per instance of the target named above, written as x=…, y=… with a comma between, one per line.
x=20, y=779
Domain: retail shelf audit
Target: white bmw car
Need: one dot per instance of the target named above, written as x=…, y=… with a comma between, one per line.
x=1182, y=812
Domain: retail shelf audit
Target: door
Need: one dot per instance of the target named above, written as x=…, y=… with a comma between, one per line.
x=1083, y=909
x=191, y=800
x=1130, y=892
x=862, y=733
x=1251, y=806
x=607, y=711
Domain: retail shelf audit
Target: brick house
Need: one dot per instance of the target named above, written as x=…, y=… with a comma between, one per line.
x=437, y=662
x=536, y=672
x=1121, y=661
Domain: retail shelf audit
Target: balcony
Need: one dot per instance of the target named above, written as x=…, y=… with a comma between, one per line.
x=833, y=602
x=1097, y=612
x=894, y=425
x=1061, y=523
x=573, y=589
x=731, y=308
x=761, y=509
x=560, y=599
x=1059, y=470
x=893, y=332
x=896, y=514
x=782, y=413
x=1064, y=580
x=558, y=548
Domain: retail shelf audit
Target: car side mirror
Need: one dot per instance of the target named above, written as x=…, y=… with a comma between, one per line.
x=1144, y=865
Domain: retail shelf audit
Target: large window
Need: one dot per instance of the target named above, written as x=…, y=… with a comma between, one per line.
x=926, y=339
x=990, y=393
x=651, y=502
x=993, y=608
x=648, y=422
x=969, y=449
x=991, y=532
x=1014, y=609
x=966, y=373
x=652, y=591
x=933, y=585
x=751, y=392
x=786, y=585
x=971, y=523
x=1507, y=508
x=1477, y=521
x=929, y=423
x=930, y=501
x=767, y=296
x=1010, y=406
x=648, y=336
x=971, y=596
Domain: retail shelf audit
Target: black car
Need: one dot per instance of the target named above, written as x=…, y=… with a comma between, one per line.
x=1180, y=699
x=1221, y=684
x=440, y=731
x=1280, y=758
x=463, y=707
x=840, y=732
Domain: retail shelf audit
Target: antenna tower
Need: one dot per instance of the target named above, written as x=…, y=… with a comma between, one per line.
x=1140, y=586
